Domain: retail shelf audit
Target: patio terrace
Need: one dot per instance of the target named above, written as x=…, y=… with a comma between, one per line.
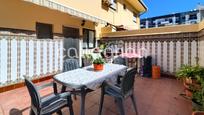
x=153, y=97
x=22, y=53
x=169, y=47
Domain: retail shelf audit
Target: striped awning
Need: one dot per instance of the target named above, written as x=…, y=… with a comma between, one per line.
x=66, y=9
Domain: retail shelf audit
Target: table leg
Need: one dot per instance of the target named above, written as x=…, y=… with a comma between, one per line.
x=63, y=89
x=82, y=106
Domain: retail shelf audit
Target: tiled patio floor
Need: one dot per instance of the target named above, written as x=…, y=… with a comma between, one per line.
x=154, y=97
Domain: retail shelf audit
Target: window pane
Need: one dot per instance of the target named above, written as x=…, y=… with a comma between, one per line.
x=85, y=38
x=88, y=38
x=113, y=4
x=135, y=17
x=44, y=31
x=91, y=39
x=70, y=32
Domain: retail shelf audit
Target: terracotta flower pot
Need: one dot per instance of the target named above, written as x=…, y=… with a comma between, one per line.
x=188, y=81
x=98, y=67
x=188, y=93
x=186, y=86
x=191, y=82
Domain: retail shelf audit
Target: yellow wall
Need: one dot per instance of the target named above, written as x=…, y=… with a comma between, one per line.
x=94, y=8
x=19, y=14
x=125, y=17
x=22, y=15
x=201, y=45
x=201, y=25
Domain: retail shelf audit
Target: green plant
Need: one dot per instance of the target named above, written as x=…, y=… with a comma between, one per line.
x=187, y=71
x=199, y=74
x=196, y=75
x=198, y=97
x=99, y=61
x=88, y=57
x=102, y=46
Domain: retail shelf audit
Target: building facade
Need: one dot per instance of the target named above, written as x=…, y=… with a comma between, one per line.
x=60, y=17
x=23, y=14
x=190, y=17
x=36, y=36
x=73, y=18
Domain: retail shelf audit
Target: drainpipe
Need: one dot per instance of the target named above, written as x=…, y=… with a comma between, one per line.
x=142, y=14
x=144, y=7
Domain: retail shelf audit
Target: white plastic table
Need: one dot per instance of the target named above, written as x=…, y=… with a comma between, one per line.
x=87, y=78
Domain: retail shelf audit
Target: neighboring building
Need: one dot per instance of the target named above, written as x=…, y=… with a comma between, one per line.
x=190, y=17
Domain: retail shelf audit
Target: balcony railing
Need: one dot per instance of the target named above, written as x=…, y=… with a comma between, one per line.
x=26, y=55
x=169, y=51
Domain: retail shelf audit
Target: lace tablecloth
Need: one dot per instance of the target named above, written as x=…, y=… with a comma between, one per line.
x=88, y=77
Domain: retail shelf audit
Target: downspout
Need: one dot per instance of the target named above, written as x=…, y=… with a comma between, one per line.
x=144, y=7
x=141, y=15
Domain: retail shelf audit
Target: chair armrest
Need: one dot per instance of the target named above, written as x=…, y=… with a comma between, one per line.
x=51, y=84
x=129, y=68
x=42, y=86
x=55, y=100
x=106, y=85
x=64, y=95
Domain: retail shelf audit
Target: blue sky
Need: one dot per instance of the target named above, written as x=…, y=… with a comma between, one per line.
x=162, y=7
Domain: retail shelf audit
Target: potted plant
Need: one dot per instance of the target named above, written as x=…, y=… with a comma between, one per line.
x=198, y=97
x=186, y=73
x=191, y=76
x=198, y=101
x=98, y=64
x=87, y=59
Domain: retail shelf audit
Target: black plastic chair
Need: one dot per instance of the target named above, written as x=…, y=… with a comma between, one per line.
x=119, y=60
x=120, y=93
x=49, y=104
x=70, y=64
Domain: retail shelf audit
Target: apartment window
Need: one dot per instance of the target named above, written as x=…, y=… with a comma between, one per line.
x=192, y=16
x=170, y=20
x=134, y=17
x=70, y=32
x=124, y=7
x=113, y=4
x=89, y=39
x=44, y=31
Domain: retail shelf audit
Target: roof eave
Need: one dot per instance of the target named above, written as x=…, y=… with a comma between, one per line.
x=138, y=5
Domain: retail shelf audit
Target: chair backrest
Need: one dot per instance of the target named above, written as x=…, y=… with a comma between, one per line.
x=119, y=60
x=70, y=64
x=35, y=97
x=127, y=83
